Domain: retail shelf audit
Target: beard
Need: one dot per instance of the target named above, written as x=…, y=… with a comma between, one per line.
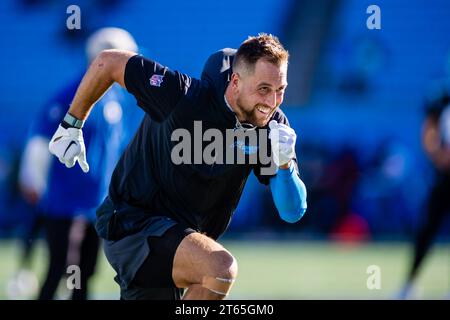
x=253, y=115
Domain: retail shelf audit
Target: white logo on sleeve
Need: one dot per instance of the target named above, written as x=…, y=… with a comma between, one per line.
x=156, y=80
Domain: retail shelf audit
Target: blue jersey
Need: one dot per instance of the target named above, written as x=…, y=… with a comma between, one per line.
x=109, y=127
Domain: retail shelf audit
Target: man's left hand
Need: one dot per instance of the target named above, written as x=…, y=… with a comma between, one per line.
x=282, y=139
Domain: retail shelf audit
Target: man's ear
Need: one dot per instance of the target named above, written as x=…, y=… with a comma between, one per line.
x=235, y=80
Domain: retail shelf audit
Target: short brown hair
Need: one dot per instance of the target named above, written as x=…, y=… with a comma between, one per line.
x=266, y=46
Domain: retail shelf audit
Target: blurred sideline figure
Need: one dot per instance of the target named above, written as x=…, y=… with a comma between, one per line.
x=67, y=199
x=436, y=143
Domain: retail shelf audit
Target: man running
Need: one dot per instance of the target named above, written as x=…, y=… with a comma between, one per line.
x=162, y=218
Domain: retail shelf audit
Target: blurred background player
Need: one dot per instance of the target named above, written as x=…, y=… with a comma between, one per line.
x=436, y=143
x=69, y=208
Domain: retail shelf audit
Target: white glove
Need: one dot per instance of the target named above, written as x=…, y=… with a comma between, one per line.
x=282, y=139
x=68, y=146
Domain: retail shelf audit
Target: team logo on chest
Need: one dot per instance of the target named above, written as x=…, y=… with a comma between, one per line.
x=156, y=80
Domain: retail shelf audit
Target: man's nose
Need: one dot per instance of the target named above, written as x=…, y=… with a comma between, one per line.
x=271, y=100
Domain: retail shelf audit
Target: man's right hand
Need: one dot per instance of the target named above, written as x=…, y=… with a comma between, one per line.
x=68, y=146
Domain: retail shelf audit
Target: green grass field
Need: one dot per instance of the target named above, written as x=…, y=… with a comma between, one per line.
x=291, y=270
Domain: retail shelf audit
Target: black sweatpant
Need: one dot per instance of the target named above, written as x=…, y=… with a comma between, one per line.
x=437, y=209
x=57, y=231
